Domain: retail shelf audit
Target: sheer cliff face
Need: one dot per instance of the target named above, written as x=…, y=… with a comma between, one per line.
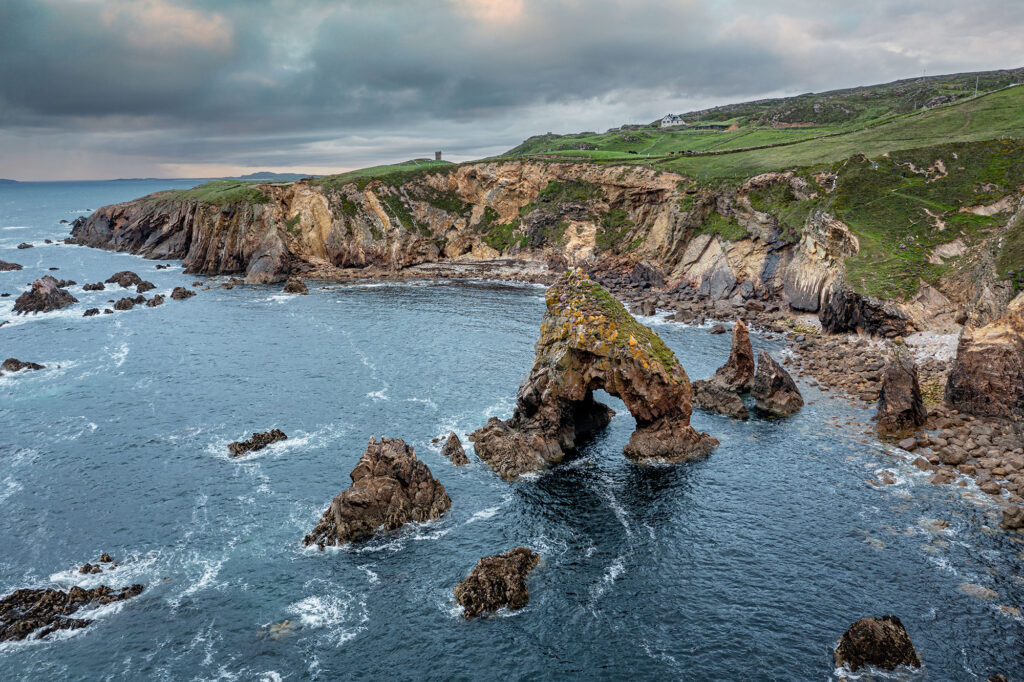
x=574, y=214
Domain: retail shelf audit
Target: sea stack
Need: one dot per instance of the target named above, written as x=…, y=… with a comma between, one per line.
x=589, y=341
x=390, y=488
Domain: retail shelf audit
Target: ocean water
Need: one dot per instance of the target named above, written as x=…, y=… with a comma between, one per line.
x=748, y=565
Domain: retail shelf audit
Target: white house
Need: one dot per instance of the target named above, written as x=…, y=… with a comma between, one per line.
x=672, y=120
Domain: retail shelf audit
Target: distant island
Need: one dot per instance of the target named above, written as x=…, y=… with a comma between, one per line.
x=5, y=181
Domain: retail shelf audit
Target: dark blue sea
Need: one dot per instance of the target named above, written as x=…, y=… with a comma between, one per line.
x=746, y=566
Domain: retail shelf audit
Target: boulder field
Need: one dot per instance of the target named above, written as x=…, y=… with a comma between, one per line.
x=588, y=341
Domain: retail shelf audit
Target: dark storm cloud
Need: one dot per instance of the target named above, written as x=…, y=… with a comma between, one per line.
x=118, y=87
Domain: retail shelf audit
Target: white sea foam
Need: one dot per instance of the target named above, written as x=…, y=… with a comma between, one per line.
x=613, y=572
x=9, y=487
x=370, y=575
x=424, y=401
x=16, y=227
x=341, y=617
x=484, y=514
x=379, y=395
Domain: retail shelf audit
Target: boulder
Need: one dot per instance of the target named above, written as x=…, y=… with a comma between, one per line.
x=497, y=581
x=774, y=390
x=143, y=287
x=257, y=442
x=181, y=293
x=295, y=285
x=155, y=301
x=588, y=341
x=847, y=311
x=7, y=267
x=126, y=278
x=1013, y=518
x=40, y=612
x=44, y=296
x=881, y=642
x=90, y=312
x=718, y=329
x=25, y=245
x=711, y=395
x=15, y=365
x=645, y=273
x=124, y=304
x=390, y=488
x=98, y=286
x=900, y=408
x=452, y=449
x=987, y=376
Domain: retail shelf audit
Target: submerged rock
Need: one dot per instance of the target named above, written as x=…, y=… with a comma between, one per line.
x=390, y=488
x=497, y=581
x=181, y=293
x=773, y=389
x=588, y=341
x=41, y=612
x=452, y=449
x=44, y=296
x=25, y=245
x=8, y=267
x=257, y=442
x=900, y=407
x=98, y=286
x=15, y=365
x=126, y=278
x=881, y=642
x=295, y=285
x=987, y=376
x=90, y=312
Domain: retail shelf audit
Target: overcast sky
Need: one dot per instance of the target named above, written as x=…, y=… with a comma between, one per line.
x=199, y=88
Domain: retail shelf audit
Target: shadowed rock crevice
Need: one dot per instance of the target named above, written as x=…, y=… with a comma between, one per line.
x=589, y=342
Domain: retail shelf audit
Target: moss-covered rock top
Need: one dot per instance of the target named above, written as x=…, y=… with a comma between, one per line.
x=583, y=313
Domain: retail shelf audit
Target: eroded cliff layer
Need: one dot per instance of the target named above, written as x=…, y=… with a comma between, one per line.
x=774, y=237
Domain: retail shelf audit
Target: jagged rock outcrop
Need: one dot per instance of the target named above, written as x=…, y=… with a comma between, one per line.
x=41, y=612
x=16, y=365
x=126, y=278
x=588, y=341
x=737, y=374
x=25, y=245
x=881, y=642
x=91, y=312
x=181, y=293
x=44, y=296
x=453, y=450
x=97, y=286
x=847, y=311
x=144, y=286
x=257, y=442
x=720, y=392
x=987, y=376
x=496, y=582
x=390, y=488
x=124, y=303
x=8, y=267
x=900, y=407
x=295, y=285
x=711, y=395
x=158, y=299
x=774, y=390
